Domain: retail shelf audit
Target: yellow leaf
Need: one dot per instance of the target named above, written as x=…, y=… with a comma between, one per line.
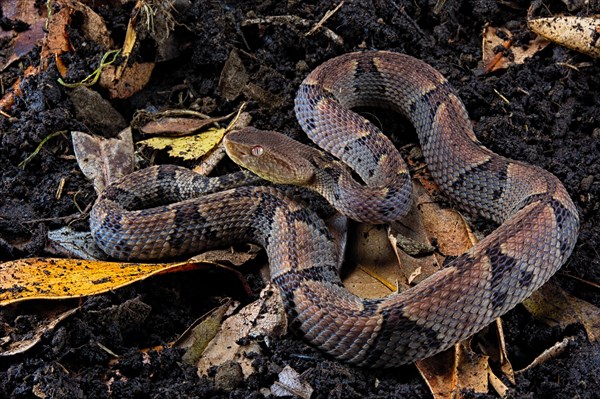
x=53, y=278
x=189, y=147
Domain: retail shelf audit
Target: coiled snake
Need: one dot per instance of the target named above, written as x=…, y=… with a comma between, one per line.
x=539, y=222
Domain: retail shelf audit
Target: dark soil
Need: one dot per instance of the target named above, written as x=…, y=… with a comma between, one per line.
x=551, y=120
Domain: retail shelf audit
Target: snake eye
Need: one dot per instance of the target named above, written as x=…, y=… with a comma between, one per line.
x=257, y=151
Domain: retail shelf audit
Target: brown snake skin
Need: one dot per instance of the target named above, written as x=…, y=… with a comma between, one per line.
x=539, y=222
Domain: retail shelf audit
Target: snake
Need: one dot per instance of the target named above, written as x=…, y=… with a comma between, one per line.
x=168, y=211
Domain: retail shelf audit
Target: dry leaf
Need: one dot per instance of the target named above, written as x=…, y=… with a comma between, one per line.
x=556, y=307
x=197, y=337
x=220, y=256
x=291, y=384
x=264, y=317
x=494, y=37
x=16, y=342
x=188, y=147
x=177, y=126
x=377, y=268
x=57, y=40
x=22, y=42
x=556, y=350
x=265, y=98
x=233, y=77
x=132, y=79
x=93, y=25
x=438, y=372
x=8, y=100
x=454, y=370
x=577, y=33
x=101, y=160
x=54, y=278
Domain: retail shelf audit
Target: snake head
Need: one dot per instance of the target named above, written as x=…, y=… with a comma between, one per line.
x=271, y=155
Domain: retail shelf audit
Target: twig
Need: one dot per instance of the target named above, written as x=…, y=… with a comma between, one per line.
x=327, y=15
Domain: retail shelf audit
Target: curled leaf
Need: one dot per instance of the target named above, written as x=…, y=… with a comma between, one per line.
x=577, y=33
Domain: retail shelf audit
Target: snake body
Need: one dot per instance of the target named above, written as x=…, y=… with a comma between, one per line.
x=538, y=221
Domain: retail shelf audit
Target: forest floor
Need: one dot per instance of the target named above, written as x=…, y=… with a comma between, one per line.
x=543, y=111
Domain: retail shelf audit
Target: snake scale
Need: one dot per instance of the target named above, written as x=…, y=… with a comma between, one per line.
x=135, y=219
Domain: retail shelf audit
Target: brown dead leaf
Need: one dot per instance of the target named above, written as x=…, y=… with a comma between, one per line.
x=220, y=256
x=555, y=350
x=500, y=37
x=377, y=270
x=101, y=160
x=16, y=341
x=233, y=77
x=57, y=40
x=265, y=98
x=22, y=42
x=444, y=226
x=132, y=79
x=492, y=344
x=291, y=383
x=577, y=33
x=8, y=100
x=448, y=373
x=438, y=373
x=196, y=338
x=264, y=318
x=554, y=306
x=178, y=126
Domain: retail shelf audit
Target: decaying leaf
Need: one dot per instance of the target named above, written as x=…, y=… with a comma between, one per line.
x=556, y=307
x=178, y=126
x=132, y=79
x=291, y=384
x=188, y=147
x=8, y=100
x=16, y=342
x=264, y=317
x=233, y=77
x=57, y=278
x=577, y=33
x=448, y=373
x=550, y=353
x=378, y=272
x=265, y=98
x=222, y=256
x=21, y=42
x=57, y=40
x=95, y=112
x=495, y=38
x=196, y=338
x=101, y=160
